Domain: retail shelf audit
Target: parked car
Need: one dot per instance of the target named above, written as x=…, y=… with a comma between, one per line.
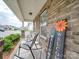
x=2, y=30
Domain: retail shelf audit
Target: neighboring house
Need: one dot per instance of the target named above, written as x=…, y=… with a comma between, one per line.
x=2, y=28
x=8, y=27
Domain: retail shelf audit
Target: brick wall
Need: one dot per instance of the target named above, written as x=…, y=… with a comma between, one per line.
x=67, y=9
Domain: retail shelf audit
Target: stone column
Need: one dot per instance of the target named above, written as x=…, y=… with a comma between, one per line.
x=34, y=25
x=37, y=24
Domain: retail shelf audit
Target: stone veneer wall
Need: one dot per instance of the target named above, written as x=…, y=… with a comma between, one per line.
x=67, y=9
x=36, y=25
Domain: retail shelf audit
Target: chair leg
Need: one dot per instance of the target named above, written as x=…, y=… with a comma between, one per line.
x=36, y=46
x=32, y=52
x=40, y=53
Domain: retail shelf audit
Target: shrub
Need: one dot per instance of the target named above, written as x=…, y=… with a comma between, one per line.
x=7, y=46
x=9, y=40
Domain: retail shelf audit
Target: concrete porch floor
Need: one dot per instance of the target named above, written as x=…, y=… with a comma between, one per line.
x=39, y=54
x=26, y=54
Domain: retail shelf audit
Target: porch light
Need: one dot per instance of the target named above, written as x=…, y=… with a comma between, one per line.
x=30, y=13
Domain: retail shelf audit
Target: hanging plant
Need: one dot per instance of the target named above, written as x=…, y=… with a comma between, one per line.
x=60, y=25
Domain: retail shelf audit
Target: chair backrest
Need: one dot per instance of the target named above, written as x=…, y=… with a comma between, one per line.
x=34, y=39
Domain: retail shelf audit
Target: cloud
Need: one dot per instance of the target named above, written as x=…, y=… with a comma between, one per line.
x=7, y=17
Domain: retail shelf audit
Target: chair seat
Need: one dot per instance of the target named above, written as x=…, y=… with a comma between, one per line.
x=25, y=44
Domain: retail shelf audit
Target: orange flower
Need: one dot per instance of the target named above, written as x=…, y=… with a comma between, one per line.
x=60, y=25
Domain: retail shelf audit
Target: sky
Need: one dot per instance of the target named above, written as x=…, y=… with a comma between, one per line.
x=7, y=17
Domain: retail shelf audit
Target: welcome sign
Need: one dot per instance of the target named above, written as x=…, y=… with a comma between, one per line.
x=58, y=40
x=58, y=45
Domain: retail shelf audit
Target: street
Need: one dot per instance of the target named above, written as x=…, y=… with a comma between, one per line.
x=5, y=33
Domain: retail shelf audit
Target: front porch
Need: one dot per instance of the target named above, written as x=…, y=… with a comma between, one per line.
x=44, y=14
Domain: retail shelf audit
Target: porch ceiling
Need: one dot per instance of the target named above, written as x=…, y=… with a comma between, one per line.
x=25, y=9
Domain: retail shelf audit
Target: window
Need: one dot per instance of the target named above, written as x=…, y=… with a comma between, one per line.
x=43, y=23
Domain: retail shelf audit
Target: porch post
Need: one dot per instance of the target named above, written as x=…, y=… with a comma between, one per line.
x=22, y=30
x=34, y=26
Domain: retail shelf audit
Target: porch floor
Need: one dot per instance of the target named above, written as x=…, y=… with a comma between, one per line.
x=39, y=54
x=26, y=54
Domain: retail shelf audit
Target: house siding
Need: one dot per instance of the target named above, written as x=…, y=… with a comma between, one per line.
x=67, y=9
x=60, y=9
